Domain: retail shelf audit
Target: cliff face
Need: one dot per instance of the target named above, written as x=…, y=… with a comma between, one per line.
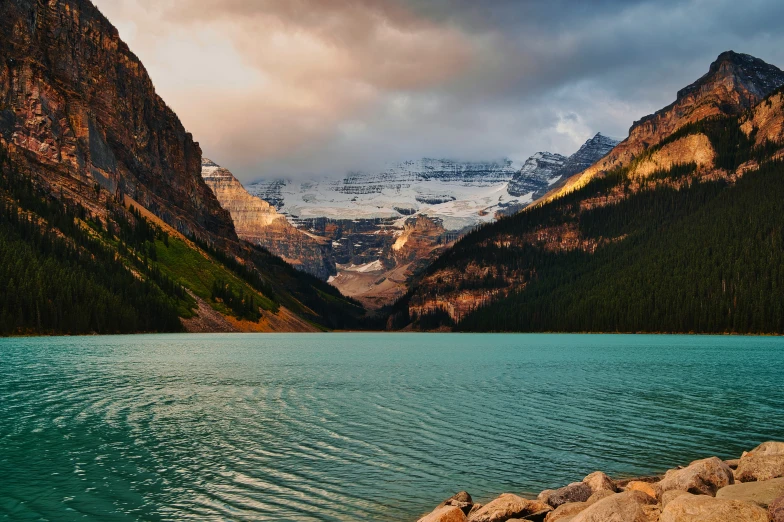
x=78, y=108
x=258, y=222
x=733, y=83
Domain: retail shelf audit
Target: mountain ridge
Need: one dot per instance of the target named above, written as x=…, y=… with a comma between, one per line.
x=523, y=264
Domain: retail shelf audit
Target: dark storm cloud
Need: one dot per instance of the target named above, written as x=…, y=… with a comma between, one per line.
x=310, y=87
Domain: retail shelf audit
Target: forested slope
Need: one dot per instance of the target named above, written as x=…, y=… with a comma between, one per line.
x=685, y=238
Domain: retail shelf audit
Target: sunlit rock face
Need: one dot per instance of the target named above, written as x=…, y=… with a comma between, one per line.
x=258, y=222
x=78, y=109
x=733, y=83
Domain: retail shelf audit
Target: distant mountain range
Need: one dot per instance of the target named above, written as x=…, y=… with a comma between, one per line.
x=369, y=225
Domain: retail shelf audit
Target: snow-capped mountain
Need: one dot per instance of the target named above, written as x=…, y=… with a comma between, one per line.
x=462, y=194
x=540, y=170
x=544, y=170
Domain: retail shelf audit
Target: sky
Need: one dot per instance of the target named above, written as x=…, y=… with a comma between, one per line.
x=309, y=88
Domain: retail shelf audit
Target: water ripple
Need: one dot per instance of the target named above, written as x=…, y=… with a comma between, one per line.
x=350, y=427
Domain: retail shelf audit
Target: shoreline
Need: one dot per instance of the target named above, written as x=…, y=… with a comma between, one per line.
x=747, y=489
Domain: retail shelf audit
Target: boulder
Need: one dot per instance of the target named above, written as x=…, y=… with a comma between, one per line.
x=701, y=477
x=629, y=506
x=563, y=511
x=506, y=507
x=764, y=462
x=776, y=510
x=645, y=487
x=445, y=514
x=574, y=492
x=669, y=496
x=762, y=493
x=598, y=481
x=704, y=508
x=462, y=500
x=599, y=495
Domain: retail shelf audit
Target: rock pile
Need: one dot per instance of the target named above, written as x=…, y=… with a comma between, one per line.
x=750, y=489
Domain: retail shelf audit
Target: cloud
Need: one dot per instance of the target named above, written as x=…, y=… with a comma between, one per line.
x=310, y=87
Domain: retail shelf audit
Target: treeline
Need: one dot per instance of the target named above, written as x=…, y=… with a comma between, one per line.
x=710, y=260
x=57, y=277
x=242, y=305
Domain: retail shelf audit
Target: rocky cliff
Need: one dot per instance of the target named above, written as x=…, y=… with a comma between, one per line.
x=78, y=108
x=733, y=83
x=258, y=222
x=83, y=130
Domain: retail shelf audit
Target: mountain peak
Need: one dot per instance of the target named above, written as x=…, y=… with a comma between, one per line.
x=745, y=72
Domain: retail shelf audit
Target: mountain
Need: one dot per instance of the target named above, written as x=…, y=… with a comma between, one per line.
x=540, y=170
x=108, y=225
x=257, y=222
x=462, y=194
x=733, y=83
x=682, y=235
x=545, y=170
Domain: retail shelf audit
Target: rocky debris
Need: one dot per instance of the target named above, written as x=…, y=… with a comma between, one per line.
x=506, y=507
x=776, y=510
x=703, y=508
x=702, y=477
x=629, y=506
x=764, y=462
x=762, y=493
x=703, y=491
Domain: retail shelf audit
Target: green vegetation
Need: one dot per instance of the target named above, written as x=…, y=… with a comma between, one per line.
x=57, y=276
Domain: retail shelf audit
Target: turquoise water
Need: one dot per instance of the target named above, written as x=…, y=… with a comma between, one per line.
x=360, y=426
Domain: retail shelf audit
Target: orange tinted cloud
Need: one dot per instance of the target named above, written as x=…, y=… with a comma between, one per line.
x=255, y=80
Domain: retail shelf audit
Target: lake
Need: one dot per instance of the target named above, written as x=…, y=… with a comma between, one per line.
x=357, y=427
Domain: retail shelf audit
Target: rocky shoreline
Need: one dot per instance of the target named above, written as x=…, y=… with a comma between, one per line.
x=749, y=489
